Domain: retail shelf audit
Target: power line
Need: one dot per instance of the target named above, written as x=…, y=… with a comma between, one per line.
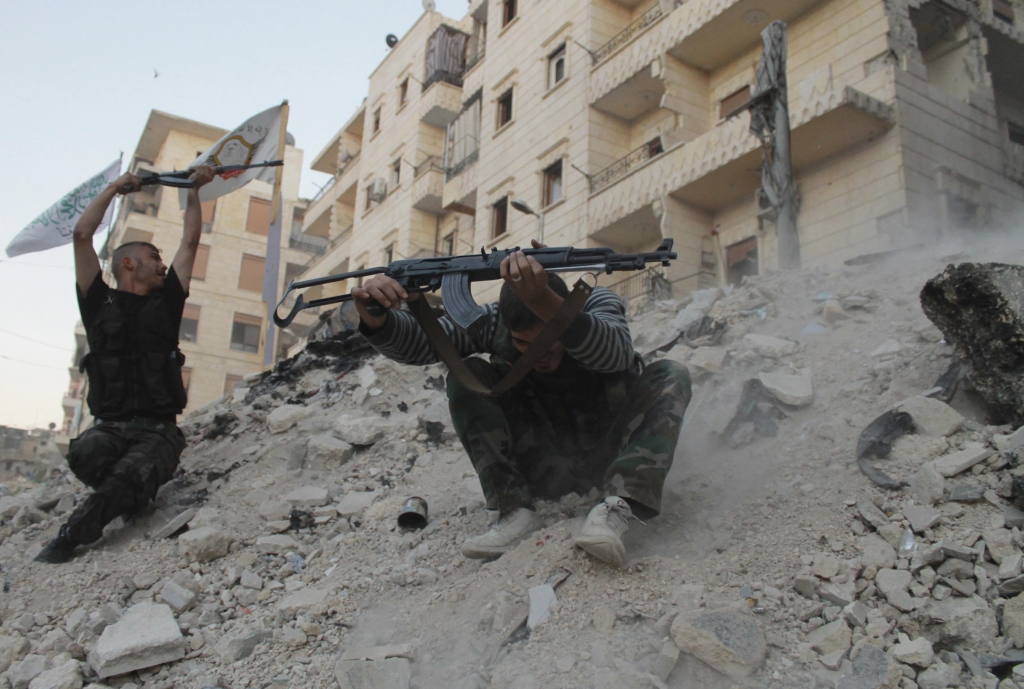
x=31, y=363
x=45, y=344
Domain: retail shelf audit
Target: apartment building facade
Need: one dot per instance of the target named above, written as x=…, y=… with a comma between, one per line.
x=622, y=122
x=222, y=322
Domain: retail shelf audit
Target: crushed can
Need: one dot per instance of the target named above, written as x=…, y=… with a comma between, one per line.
x=413, y=514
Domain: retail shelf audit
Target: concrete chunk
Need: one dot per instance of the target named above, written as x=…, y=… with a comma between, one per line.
x=831, y=637
x=770, y=347
x=302, y=600
x=64, y=676
x=286, y=416
x=204, y=544
x=145, y=636
x=789, y=389
x=308, y=496
x=178, y=597
x=916, y=652
x=729, y=642
x=240, y=645
x=393, y=673
x=277, y=545
x=932, y=417
x=921, y=518
x=174, y=526
x=353, y=503
x=27, y=669
x=958, y=462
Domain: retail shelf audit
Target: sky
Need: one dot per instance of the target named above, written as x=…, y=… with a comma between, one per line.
x=77, y=83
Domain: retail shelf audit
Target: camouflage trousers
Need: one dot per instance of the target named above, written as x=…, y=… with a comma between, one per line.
x=615, y=432
x=125, y=463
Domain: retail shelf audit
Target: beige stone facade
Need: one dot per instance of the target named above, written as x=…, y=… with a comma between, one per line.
x=611, y=118
x=220, y=333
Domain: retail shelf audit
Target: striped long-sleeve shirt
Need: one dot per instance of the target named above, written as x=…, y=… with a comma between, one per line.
x=598, y=338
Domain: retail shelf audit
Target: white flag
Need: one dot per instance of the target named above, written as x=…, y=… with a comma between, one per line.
x=56, y=225
x=255, y=141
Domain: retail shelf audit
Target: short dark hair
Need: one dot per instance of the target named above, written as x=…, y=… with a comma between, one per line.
x=516, y=314
x=122, y=251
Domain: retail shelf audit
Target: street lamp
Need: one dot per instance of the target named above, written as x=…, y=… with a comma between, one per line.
x=523, y=207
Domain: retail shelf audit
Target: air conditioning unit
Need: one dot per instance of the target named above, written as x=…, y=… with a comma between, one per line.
x=378, y=190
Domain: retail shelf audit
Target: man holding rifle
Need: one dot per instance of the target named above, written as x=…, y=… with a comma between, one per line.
x=134, y=369
x=589, y=414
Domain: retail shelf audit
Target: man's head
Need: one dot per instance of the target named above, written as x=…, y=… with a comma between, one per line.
x=138, y=268
x=525, y=326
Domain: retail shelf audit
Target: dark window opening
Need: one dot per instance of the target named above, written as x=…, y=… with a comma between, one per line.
x=556, y=66
x=654, y=147
x=389, y=254
x=396, y=173
x=505, y=109
x=448, y=245
x=403, y=92
x=376, y=120
x=1015, y=132
x=742, y=258
x=508, y=12
x=553, y=183
x=734, y=102
x=499, y=225
x=245, y=333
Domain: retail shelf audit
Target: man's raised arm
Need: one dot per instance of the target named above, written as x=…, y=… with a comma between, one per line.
x=87, y=263
x=186, y=256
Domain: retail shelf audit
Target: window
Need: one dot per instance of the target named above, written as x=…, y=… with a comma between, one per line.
x=499, y=225
x=396, y=173
x=508, y=12
x=230, y=381
x=1003, y=10
x=202, y=260
x=245, y=333
x=448, y=245
x=186, y=377
x=556, y=66
x=258, y=220
x=1015, y=132
x=403, y=92
x=189, y=330
x=369, y=197
x=505, y=109
x=654, y=147
x=376, y=120
x=553, y=183
x=389, y=253
x=250, y=277
x=208, y=208
x=734, y=102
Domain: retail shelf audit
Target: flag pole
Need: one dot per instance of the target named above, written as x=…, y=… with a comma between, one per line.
x=271, y=265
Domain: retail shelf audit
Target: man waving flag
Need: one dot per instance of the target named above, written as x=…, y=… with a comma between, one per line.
x=54, y=227
x=254, y=141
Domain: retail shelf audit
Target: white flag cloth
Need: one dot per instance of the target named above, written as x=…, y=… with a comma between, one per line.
x=254, y=141
x=56, y=225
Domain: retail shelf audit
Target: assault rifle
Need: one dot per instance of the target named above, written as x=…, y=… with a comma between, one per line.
x=180, y=178
x=453, y=275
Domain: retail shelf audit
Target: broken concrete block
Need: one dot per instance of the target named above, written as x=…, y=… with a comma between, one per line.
x=251, y=580
x=27, y=669
x=64, y=676
x=888, y=348
x=666, y=661
x=770, y=347
x=204, y=544
x=856, y=614
x=729, y=642
x=921, y=517
x=710, y=359
x=277, y=545
x=178, y=597
x=871, y=514
x=962, y=620
x=354, y=502
x=927, y=485
x=872, y=669
x=833, y=311
x=393, y=673
x=825, y=567
x=831, y=637
x=932, y=417
x=795, y=390
x=273, y=510
x=236, y=646
x=146, y=635
x=308, y=496
x=916, y=652
x=286, y=416
x=174, y=525
x=328, y=452
x=893, y=584
x=979, y=307
x=957, y=462
x=1013, y=620
x=542, y=598
x=302, y=600
x=999, y=543
x=12, y=649
x=876, y=552
x=363, y=430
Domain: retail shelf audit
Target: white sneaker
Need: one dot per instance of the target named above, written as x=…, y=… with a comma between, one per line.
x=601, y=535
x=506, y=532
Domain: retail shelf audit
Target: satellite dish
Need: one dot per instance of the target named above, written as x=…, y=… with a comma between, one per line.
x=392, y=40
x=429, y=5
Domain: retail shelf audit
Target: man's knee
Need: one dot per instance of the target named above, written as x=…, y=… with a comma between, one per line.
x=667, y=377
x=92, y=455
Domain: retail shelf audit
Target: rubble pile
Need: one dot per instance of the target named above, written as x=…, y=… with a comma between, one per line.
x=274, y=557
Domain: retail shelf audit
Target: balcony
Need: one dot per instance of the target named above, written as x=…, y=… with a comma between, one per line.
x=720, y=168
x=460, y=185
x=440, y=104
x=319, y=216
x=305, y=242
x=428, y=186
x=623, y=165
x=645, y=21
x=446, y=57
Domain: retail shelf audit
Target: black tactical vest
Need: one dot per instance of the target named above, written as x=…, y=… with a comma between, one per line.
x=134, y=364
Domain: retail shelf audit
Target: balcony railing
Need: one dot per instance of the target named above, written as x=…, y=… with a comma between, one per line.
x=480, y=54
x=628, y=34
x=433, y=162
x=324, y=189
x=643, y=288
x=460, y=167
x=630, y=161
x=306, y=242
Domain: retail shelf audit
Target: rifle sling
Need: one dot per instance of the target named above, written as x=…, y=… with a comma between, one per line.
x=534, y=353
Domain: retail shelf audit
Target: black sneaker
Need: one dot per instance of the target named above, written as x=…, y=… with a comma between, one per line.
x=58, y=551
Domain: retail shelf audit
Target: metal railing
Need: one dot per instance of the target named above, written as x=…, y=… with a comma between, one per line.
x=481, y=53
x=433, y=162
x=628, y=34
x=460, y=167
x=447, y=76
x=324, y=189
x=620, y=167
x=643, y=288
x=307, y=242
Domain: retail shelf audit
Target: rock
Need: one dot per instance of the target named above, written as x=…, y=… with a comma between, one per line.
x=354, y=502
x=927, y=332
x=876, y=552
x=542, y=599
x=328, y=452
x=729, y=642
x=365, y=430
x=893, y=584
x=174, y=525
x=831, y=637
x=12, y=649
x=1013, y=620
x=871, y=669
x=954, y=567
x=277, y=545
x=958, y=551
x=665, y=662
x=965, y=620
x=833, y=311
x=789, y=389
x=1011, y=566
x=838, y=594
x=770, y=347
x=204, y=544
x=236, y=646
x=178, y=597
x=273, y=510
x=932, y=417
x=939, y=676
x=927, y=485
x=604, y=619
x=64, y=676
x=979, y=307
x=286, y=416
x=302, y=600
x=856, y=614
x=887, y=349
x=825, y=567
x=833, y=660
x=966, y=493
x=806, y=586
x=962, y=460
x=146, y=635
x=917, y=652
x=308, y=496
x=871, y=514
x=251, y=580
x=710, y=359
x=921, y=518
x=393, y=673
x=25, y=670
x=999, y=543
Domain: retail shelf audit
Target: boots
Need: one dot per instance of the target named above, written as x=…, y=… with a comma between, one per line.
x=506, y=532
x=58, y=551
x=601, y=535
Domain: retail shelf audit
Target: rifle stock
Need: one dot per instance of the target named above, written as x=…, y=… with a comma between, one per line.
x=454, y=275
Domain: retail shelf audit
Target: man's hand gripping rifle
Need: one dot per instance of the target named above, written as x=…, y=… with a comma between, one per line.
x=453, y=275
x=180, y=178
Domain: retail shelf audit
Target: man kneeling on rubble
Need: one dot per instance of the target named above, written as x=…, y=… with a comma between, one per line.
x=134, y=369
x=589, y=414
